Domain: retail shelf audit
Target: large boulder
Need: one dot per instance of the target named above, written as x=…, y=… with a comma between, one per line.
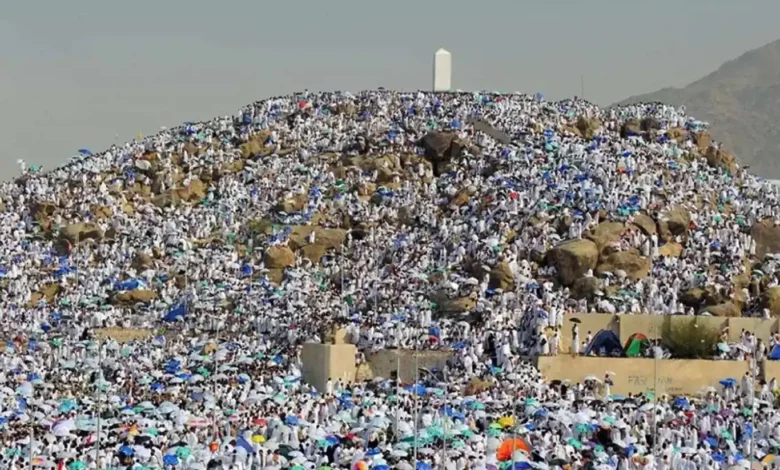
x=279, y=257
x=635, y=266
x=134, y=296
x=458, y=305
x=720, y=158
x=586, y=288
x=76, y=233
x=46, y=292
x=702, y=141
x=674, y=222
x=677, y=134
x=324, y=239
x=572, y=259
x=650, y=124
x=771, y=300
x=604, y=235
x=645, y=223
x=727, y=309
x=588, y=127
x=296, y=203
x=501, y=277
x=767, y=237
x=671, y=250
x=630, y=127
x=142, y=261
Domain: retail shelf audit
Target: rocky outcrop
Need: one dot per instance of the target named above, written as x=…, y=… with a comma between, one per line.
x=501, y=277
x=572, y=259
x=766, y=236
x=631, y=262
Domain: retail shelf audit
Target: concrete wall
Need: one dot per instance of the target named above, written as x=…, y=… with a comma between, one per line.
x=637, y=375
x=588, y=322
x=323, y=361
x=771, y=370
x=653, y=326
x=385, y=363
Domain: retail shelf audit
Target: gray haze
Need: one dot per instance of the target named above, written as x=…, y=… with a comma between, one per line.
x=82, y=73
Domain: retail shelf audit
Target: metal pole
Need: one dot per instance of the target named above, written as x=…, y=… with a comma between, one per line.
x=99, y=378
x=397, y=392
x=444, y=425
x=214, y=383
x=416, y=373
x=32, y=432
x=655, y=390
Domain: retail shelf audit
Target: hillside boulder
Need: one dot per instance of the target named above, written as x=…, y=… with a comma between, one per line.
x=635, y=266
x=604, y=235
x=586, y=288
x=501, y=277
x=721, y=158
x=572, y=259
x=588, y=127
x=279, y=257
x=77, y=233
x=771, y=300
x=670, y=250
x=727, y=309
x=674, y=222
x=134, y=296
x=767, y=237
x=645, y=223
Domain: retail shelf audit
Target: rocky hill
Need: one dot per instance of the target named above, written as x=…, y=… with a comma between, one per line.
x=740, y=101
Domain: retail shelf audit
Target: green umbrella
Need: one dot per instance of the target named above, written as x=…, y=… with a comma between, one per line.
x=727, y=435
x=575, y=443
x=183, y=452
x=77, y=465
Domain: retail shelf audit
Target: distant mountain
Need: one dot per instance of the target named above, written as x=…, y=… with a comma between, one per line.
x=741, y=101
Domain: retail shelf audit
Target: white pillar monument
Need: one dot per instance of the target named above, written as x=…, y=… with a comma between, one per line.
x=442, y=71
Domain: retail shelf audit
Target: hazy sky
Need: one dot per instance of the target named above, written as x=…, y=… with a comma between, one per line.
x=79, y=73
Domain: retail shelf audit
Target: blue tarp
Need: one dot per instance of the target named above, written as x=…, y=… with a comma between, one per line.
x=774, y=355
x=179, y=311
x=130, y=284
x=605, y=343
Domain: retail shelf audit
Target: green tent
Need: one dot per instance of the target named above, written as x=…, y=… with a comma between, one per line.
x=636, y=345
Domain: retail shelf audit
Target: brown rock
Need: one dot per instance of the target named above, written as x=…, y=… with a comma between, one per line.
x=604, y=235
x=134, y=296
x=677, y=134
x=720, y=158
x=324, y=239
x=100, y=212
x=279, y=257
x=366, y=188
x=461, y=197
x=650, y=124
x=630, y=127
x=635, y=266
x=439, y=145
x=47, y=292
x=459, y=305
x=767, y=237
x=671, y=250
x=645, y=223
x=702, y=140
x=675, y=222
x=727, y=309
x=572, y=259
x=477, y=386
x=76, y=233
x=588, y=127
x=586, y=288
x=501, y=277
x=693, y=297
x=296, y=203
x=771, y=300
x=142, y=261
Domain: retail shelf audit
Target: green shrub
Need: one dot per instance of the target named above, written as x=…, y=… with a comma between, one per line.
x=690, y=340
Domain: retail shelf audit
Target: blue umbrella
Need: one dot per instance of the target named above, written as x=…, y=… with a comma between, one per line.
x=85, y=151
x=422, y=466
x=127, y=450
x=291, y=420
x=171, y=460
x=728, y=383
